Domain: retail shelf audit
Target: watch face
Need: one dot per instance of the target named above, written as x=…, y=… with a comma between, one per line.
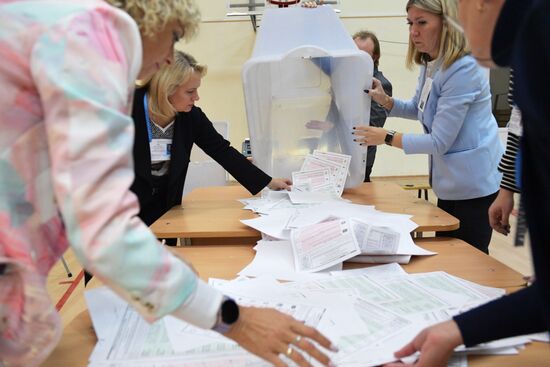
x=230, y=311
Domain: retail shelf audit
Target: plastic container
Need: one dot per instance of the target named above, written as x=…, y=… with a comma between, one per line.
x=303, y=89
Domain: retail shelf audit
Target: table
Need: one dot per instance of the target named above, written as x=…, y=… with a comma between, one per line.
x=212, y=213
x=455, y=257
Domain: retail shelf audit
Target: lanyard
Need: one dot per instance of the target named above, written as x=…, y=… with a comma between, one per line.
x=147, y=120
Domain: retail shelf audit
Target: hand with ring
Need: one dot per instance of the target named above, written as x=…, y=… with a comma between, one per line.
x=290, y=350
x=271, y=334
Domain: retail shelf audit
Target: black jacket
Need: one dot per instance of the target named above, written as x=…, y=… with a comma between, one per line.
x=190, y=127
x=521, y=40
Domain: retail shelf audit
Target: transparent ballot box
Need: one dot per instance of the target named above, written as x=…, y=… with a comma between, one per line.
x=303, y=89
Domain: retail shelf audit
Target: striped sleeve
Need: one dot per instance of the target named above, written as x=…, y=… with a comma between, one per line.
x=507, y=163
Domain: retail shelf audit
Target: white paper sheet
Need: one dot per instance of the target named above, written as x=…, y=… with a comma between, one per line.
x=275, y=258
x=273, y=225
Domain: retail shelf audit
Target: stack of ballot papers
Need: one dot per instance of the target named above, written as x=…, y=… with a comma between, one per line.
x=325, y=233
x=368, y=313
x=322, y=177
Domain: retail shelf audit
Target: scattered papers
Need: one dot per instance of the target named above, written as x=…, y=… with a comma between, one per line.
x=368, y=313
x=381, y=237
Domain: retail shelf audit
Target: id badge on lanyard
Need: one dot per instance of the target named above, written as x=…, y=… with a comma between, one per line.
x=160, y=148
x=425, y=94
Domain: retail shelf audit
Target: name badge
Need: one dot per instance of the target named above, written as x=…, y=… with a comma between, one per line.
x=160, y=149
x=425, y=93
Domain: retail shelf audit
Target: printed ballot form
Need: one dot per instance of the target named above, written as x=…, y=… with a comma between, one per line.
x=322, y=245
x=326, y=171
x=315, y=180
x=375, y=240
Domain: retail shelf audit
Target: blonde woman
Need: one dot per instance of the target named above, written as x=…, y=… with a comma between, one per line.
x=66, y=87
x=165, y=116
x=453, y=103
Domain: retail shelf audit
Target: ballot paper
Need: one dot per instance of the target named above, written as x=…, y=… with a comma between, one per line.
x=341, y=170
x=375, y=240
x=323, y=245
x=170, y=342
x=381, y=259
x=318, y=180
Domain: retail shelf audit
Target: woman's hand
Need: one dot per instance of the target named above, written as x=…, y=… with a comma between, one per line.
x=499, y=211
x=279, y=184
x=435, y=344
x=271, y=334
x=378, y=95
x=369, y=135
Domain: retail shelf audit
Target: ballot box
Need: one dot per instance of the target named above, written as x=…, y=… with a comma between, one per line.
x=304, y=91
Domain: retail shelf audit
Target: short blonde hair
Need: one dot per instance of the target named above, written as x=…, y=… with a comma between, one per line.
x=452, y=45
x=165, y=82
x=152, y=16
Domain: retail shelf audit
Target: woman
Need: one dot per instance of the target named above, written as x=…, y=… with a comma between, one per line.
x=165, y=115
x=453, y=103
x=67, y=83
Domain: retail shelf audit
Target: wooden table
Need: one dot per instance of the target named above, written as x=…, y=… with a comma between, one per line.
x=213, y=213
x=454, y=256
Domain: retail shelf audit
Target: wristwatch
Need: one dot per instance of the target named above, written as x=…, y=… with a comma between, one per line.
x=389, y=137
x=228, y=314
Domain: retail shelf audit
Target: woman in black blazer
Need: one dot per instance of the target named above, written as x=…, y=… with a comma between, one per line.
x=167, y=123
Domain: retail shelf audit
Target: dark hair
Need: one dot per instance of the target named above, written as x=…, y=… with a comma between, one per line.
x=367, y=34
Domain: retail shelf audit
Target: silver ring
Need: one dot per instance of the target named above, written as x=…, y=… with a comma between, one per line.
x=297, y=339
x=289, y=350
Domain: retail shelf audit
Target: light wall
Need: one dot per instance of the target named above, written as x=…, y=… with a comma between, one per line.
x=225, y=44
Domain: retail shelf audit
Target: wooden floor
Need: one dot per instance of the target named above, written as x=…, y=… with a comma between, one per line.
x=67, y=292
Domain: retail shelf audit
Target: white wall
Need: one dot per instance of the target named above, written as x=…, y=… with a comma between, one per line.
x=225, y=44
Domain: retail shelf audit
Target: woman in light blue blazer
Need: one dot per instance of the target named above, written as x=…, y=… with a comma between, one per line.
x=453, y=103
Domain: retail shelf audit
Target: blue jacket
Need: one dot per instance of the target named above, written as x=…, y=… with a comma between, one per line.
x=461, y=134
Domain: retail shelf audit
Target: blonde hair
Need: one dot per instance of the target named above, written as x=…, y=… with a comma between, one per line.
x=152, y=16
x=165, y=82
x=452, y=44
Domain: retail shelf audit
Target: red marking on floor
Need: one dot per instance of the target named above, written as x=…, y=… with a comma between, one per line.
x=69, y=291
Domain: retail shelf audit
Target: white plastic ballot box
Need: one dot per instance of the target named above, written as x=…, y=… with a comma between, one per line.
x=303, y=89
